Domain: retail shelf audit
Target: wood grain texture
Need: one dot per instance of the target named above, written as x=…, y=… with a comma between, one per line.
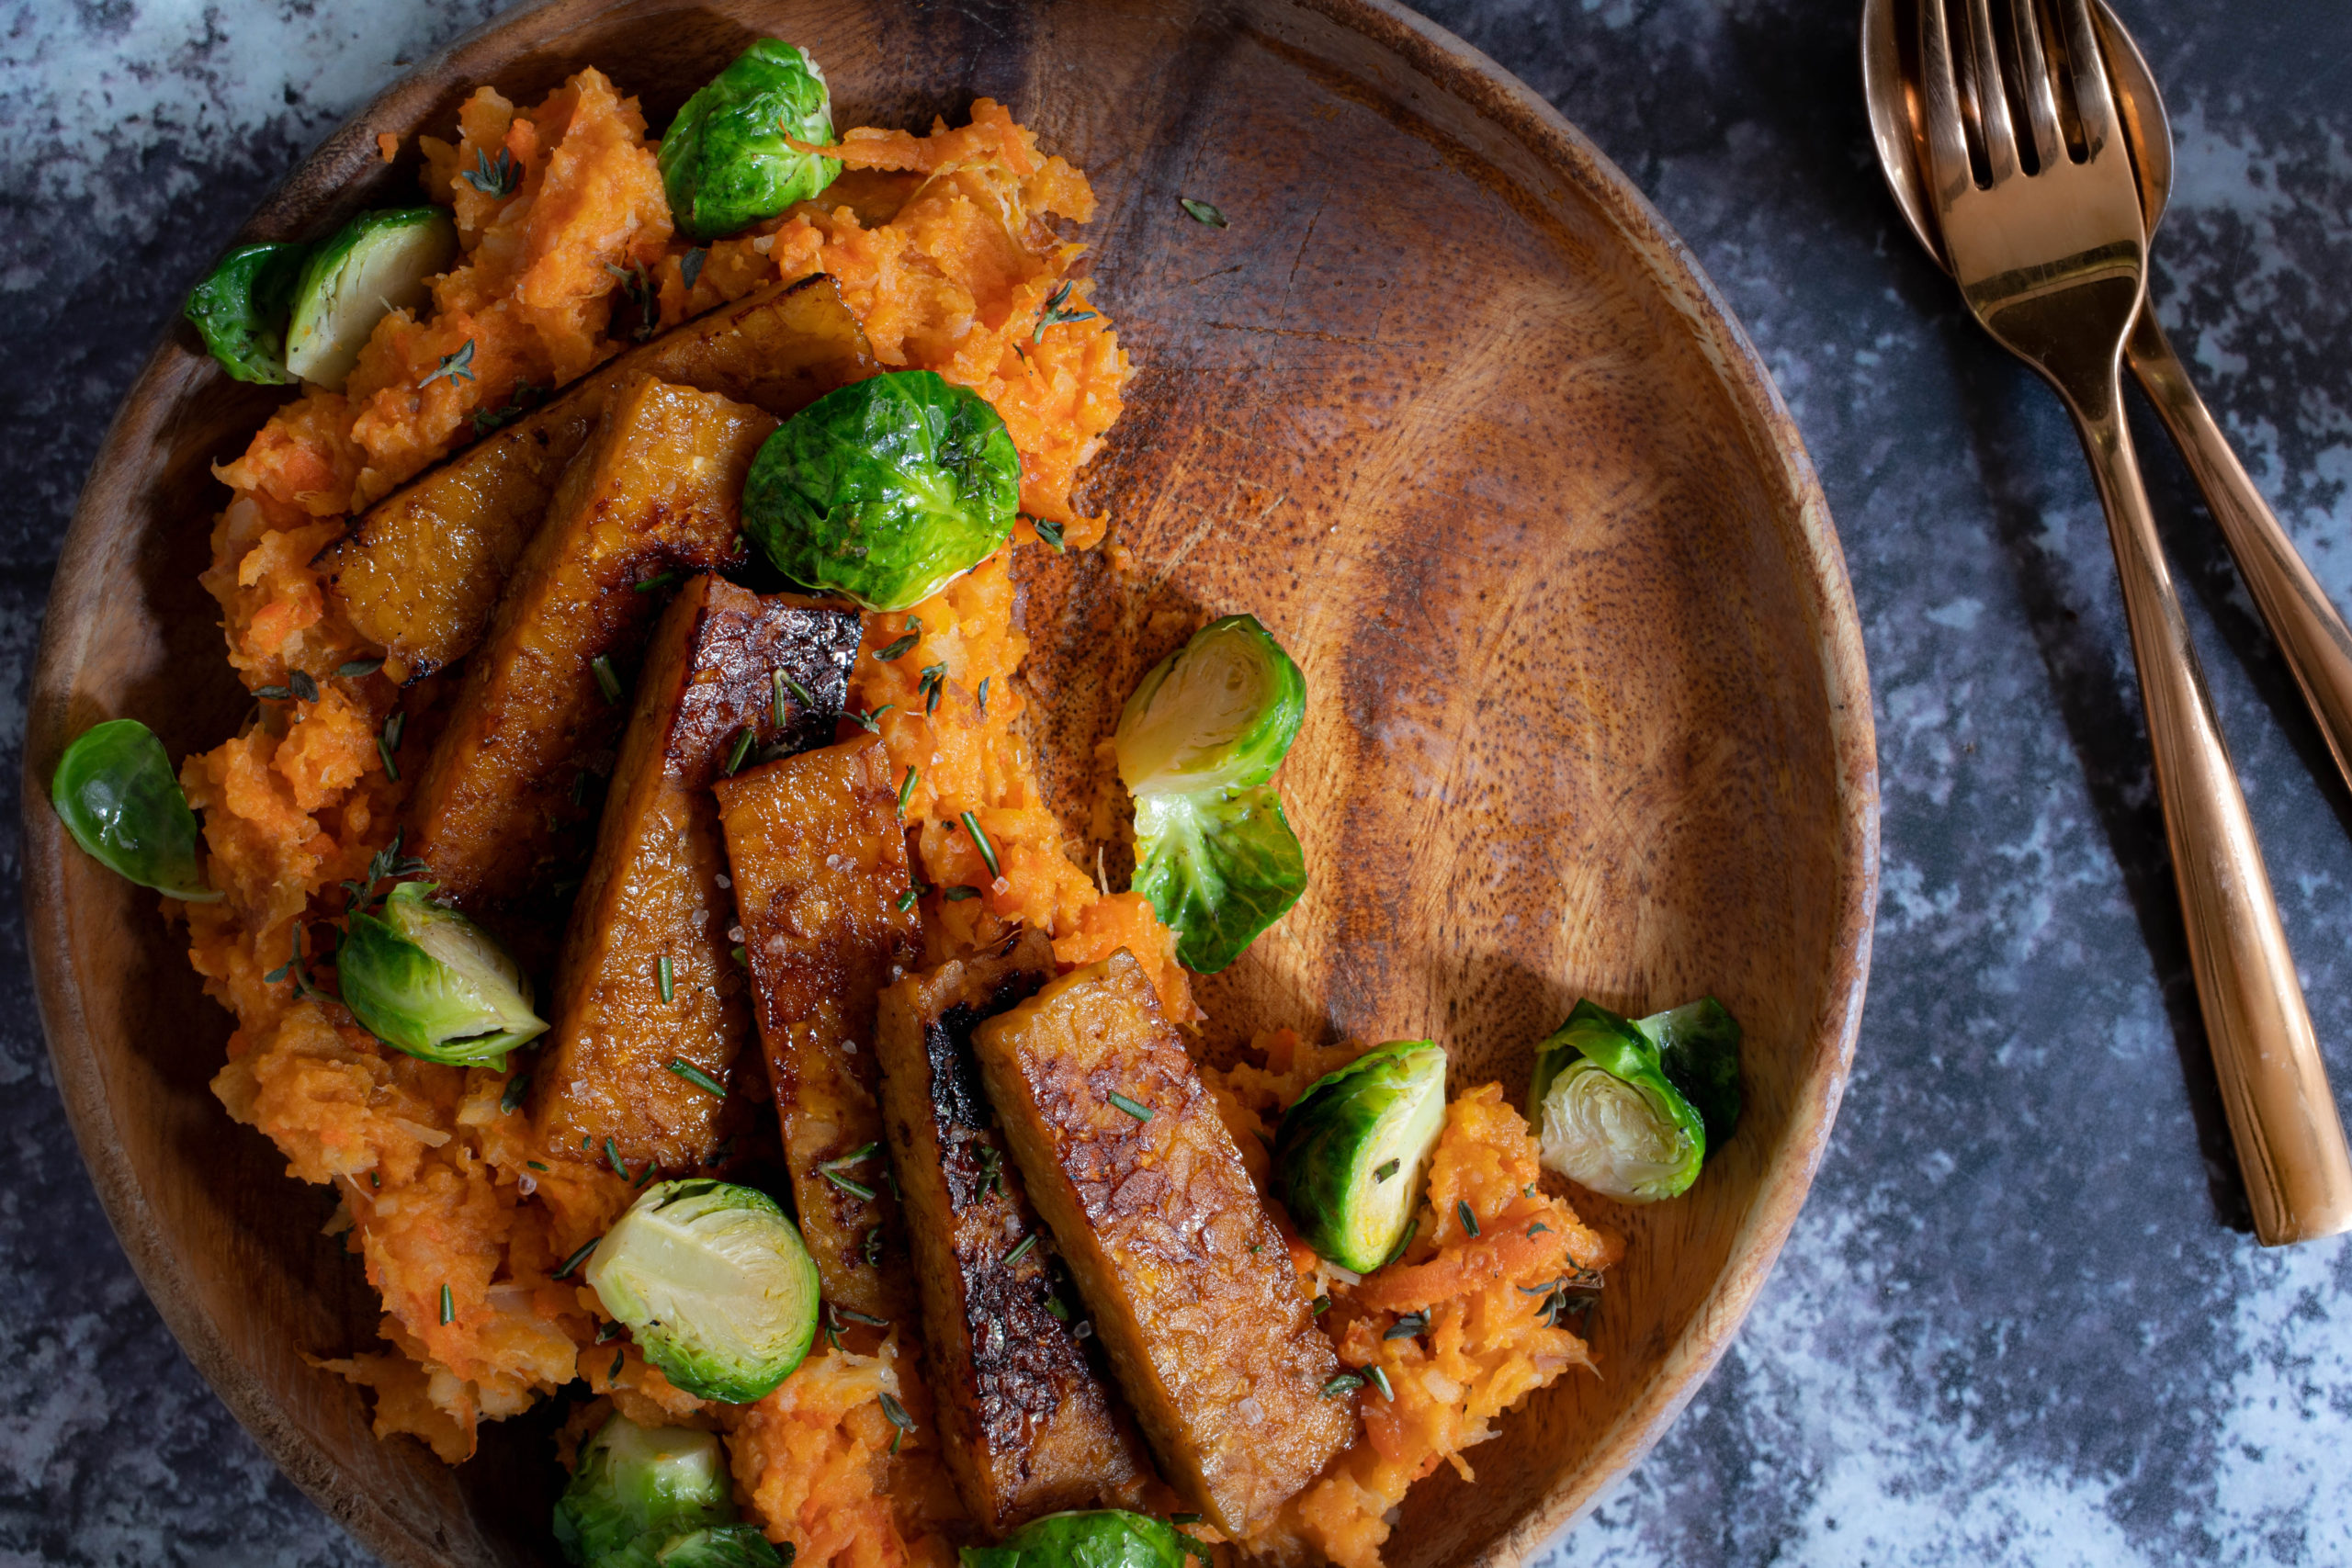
x=1446, y=407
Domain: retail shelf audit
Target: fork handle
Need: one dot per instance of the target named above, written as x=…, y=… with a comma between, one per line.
x=2310, y=633
x=2274, y=1087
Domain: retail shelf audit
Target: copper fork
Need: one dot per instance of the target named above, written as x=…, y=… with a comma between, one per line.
x=2052, y=262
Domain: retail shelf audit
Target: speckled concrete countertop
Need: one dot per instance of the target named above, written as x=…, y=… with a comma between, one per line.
x=2021, y=1321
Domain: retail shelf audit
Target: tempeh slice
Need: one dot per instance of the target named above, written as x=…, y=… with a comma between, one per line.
x=1027, y=1425
x=655, y=888
x=503, y=797
x=1189, y=1282
x=422, y=570
x=819, y=862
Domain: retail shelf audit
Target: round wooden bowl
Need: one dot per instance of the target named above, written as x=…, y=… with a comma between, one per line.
x=1446, y=406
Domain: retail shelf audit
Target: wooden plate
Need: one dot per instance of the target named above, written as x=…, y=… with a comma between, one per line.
x=1446, y=406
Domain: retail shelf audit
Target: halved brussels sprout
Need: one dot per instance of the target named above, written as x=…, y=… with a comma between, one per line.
x=642, y=1496
x=378, y=263
x=1218, y=867
x=241, y=308
x=1351, y=1155
x=1197, y=744
x=1098, y=1538
x=725, y=162
x=1606, y=1114
x=1220, y=713
x=430, y=982
x=1698, y=1047
x=114, y=791
x=885, y=491
x=715, y=1285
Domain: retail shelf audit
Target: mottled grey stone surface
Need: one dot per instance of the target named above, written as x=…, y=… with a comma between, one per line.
x=2020, y=1322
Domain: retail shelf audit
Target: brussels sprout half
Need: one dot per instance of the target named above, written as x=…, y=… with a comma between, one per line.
x=1098, y=1538
x=715, y=1285
x=726, y=163
x=241, y=308
x=1218, y=867
x=1220, y=713
x=1607, y=1116
x=378, y=263
x=1351, y=1155
x=885, y=491
x=430, y=982
x=1698, y=1047
x=654, y=1497
x=115, y=792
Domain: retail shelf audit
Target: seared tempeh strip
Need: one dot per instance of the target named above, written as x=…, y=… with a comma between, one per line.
x=422, y=570
x=510, y=787
x=819, y=862
x=1189, y=1282
x=653, y=890
x=1028, y=1427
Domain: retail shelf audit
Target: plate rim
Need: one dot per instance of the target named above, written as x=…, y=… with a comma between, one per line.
x=1481, y=85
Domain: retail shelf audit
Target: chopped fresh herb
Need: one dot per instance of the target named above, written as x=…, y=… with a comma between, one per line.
x=1469, y=1220
x=741, y=749
x=873, y=1247
x=304, y=687
x=1410, y=1326
x=784, y=683
x=697, y=1076
x=355, y=669
x=577, y=1259
x=872, y=722
x=858, y=1156
x=448, y=1305
x=498, y=179
x=894, y=1412
x=613, y=1153
x=910, y=898
x=1538, y=1226
x=1322, y=1305
x=866, y=1318
x=1382, y=1173
x=453, y=365
x=1140, y=1112
x=957, y=895
x=857, y=1190
x=606, y=681
x=395, y=726
x=375, y=1180
x=1545, y=1288
x=992, y=1169
x=1057, y=311
x=522, y=401
x=516, y=1087
x=1201, y=212
x=535, y=1165
x=274, y=693
x=906, y=790
x=1049, y=531
x=1346, y=1382
x=933, y=681
x=1184, y=1519
x=620, y=1359
x=1018, y=1253
x=665, y=977
x=898, y=647
x=646, y=1175
x=659, y=580
x=607, y=1333
x=1380, y=1381
x=981, y=842
x=690, y=266
x=1053, y=1305
x=982, y=697
x=742, y=954
x=639, y=290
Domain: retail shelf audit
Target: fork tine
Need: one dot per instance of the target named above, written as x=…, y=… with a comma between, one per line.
x=1992, y=98
x=2093, y=100
x=1948, y=169
x=2033, y=83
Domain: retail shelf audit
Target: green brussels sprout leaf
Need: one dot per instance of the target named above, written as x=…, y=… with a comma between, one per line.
x=722, y=1546
x=1351, y=1156
x=240, y=309
x=885, y=491
x=430, y=982
x=1098, y=1538
x=637, y=1489
x=1606, y=1114
x=714, y=1284
x=1698, y=1046
x=1218, y=867
x=1220, y=713
x=378, y=263
x=726, y=163
x=114, y=791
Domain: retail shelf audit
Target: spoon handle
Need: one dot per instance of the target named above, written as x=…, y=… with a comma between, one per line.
x=2274, y=1087
x=2310, y=633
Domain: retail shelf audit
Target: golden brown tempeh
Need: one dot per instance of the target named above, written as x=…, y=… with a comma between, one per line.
x=1189, y=1282
x=511, y=787
x=819, y=863
x=654, y=891
x=1028, y=1428
x=422, y=570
